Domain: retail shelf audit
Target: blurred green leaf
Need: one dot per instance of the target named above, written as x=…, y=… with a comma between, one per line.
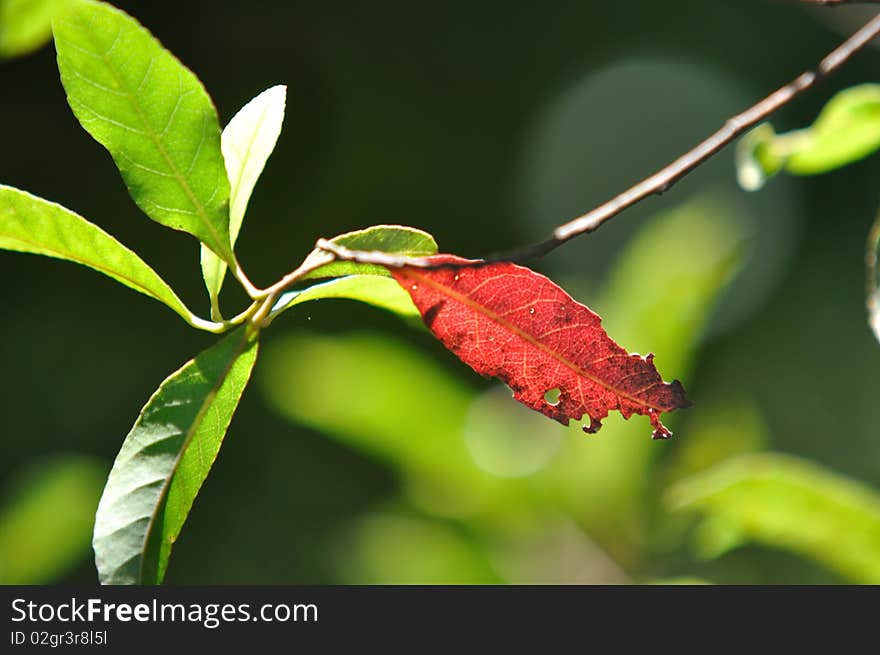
x=25, y=25
x=153, y=115
x=756, y=159
x=717, y=429
x=788, y=503
x=165, y=459
x=246, y=143
x=383, y=398
x=33, y=225
x=390, y=239
x=664, y=308
x=47, y=517
x=687, y=582
x=508, y=439
x=395, y=548
x=847, y=130
x=382, y=292
x=659, y=298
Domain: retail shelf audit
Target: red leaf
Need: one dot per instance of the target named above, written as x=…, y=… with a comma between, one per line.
x=507, y=321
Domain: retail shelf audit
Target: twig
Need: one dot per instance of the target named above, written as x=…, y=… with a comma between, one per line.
x=733, y=128
x=665, y=178
x=327, y=251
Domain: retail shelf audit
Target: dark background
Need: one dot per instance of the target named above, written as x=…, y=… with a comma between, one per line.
x=450, y=117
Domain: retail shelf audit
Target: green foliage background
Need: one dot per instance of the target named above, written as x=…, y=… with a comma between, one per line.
x=366, y=453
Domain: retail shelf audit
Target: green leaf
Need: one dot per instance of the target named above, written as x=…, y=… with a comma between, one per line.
x=399, y=547
x=788, y=503
x=390, y=239
x=847, y=130
x=47, y=518
x=25, y=25
x=247, y=142
x=703, y=243
x=366, y=390
x=382, y=292
x=165, y=459
x=756, y=160
x=152, y=114
x=33, y=225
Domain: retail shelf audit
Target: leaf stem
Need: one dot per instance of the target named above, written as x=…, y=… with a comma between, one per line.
x=219, y=327
x=245, y=282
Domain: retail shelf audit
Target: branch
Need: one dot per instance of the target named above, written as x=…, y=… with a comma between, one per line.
x=663, y=179
x=838, y=3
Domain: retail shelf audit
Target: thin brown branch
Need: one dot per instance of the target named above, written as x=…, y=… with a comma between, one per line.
x=663, y=179
x=838, y=3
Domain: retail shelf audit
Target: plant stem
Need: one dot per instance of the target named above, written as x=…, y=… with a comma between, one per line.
x=269, y=296
x=219, y=327
x=249, y=287
x=325, y=252
x=662, y=180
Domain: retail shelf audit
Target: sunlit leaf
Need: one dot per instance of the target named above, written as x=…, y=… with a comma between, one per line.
x=700, y=244
x=165, y=459
x=382, y=292
x=246, y=142
x=33, y=225
x=756, y=161
x=46, y=518
x=152, y=114
x=847, y=130
x=25, y=25
x=509, y=322
x=787, y=503
x=390, y=239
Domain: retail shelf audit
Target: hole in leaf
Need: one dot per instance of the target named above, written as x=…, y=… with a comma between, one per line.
x=551, y=396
